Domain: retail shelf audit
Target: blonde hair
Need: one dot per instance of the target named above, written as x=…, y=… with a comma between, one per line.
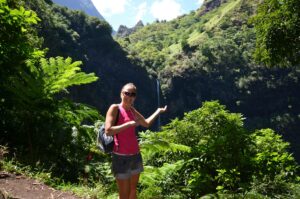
x=131, y=85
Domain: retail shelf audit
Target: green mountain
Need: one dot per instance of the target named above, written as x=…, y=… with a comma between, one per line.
x=208, y=55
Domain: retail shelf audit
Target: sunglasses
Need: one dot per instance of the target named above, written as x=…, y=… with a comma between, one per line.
x=129, y=94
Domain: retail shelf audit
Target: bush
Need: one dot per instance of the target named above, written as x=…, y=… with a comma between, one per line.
x=210, y=152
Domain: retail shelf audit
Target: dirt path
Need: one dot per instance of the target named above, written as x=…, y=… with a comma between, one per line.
x=20, y=187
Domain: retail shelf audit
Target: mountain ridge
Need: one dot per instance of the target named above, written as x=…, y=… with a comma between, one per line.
x=86, y=6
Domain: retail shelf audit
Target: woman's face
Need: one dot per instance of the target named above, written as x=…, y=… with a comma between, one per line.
x=128, y=95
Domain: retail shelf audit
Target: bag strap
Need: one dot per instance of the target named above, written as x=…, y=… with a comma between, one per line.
x=116, y=122
x=117, y=118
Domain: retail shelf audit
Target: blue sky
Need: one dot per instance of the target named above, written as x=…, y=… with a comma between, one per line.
x=129, y=12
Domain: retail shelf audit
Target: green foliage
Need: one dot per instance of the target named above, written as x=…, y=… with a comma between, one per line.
x=274, y=166
x=271, y=153
x=36, y=118
x=156, y=181
x=62, y=73
x=36, y=103
x=3, y=152
x=277, y=30
x=223, y=158
x=156, y=45
x=45, y=78
x=218, y=156
x=16, y=39
x=162, y=157
x=85, y=191
x=153, y=143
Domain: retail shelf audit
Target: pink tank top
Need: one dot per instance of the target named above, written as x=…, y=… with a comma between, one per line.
x=126, y=141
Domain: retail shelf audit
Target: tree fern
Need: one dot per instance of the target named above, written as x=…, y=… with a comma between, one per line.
x=154, y=180
x=45, y=78
x=157, y=150
x=60, y=73
x=153, y=143
x=152, y=175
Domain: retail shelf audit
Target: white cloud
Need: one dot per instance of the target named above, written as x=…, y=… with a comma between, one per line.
x=141, y=11
x=166, y=9
x=110, y=7
x=200, y=2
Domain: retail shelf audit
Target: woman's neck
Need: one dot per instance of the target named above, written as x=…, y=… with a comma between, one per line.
x=126, y=106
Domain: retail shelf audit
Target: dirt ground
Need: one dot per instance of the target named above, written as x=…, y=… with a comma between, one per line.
x=20, y=187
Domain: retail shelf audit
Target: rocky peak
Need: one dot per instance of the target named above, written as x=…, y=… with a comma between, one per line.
x=124, y=31
x=139, y=24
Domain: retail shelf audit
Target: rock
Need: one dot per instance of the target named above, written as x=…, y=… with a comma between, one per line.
x=209, y=5
x=123, y=31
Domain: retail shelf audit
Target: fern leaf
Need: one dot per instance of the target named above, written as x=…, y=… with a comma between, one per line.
x=60, y=73
x=152, y=175
x=153, y=143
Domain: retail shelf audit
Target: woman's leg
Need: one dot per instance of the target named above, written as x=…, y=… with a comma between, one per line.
x=124, y=188
x=134, y=179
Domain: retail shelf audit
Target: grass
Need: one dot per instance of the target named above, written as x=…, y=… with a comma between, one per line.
x=85, y=191
x=212, y=19
x=196, y=38
x=220, y=13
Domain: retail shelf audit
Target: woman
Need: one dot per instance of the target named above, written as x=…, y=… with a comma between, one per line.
x=126, y=158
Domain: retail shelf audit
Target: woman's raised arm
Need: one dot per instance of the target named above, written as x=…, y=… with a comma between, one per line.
x=140, y=120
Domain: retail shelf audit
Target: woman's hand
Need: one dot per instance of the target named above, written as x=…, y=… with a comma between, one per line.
x=133, y=123
x=140, y=120
x=162, y=110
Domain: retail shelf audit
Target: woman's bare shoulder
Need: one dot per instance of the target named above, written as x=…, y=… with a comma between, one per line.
x=114, y=107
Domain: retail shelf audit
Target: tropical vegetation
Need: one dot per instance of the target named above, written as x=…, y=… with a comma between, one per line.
x=217, y=141
x=277, y=27
x=36, y=118
x=208, y=55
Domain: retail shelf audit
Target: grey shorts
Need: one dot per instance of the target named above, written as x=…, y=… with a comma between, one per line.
x=124, y=166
